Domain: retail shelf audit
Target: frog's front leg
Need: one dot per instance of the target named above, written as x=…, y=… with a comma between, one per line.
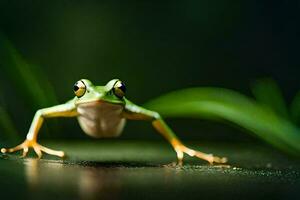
x=64, y=110
x=179, y=147
x=138, y=113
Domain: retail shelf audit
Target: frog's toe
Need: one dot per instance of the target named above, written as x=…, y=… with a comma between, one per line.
x=3, y=150
x=10, y=150
x=51, y=151
x=210, y=158
x=38, y=151
x=220, y=160
x=25, y=152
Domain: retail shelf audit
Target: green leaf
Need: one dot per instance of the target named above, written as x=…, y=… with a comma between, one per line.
x=219, y=103
x=7, y=126
x=267, y=92
x=28, y=79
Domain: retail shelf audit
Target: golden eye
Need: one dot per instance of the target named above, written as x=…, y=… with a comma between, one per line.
x=79, y=88
x=119, y=89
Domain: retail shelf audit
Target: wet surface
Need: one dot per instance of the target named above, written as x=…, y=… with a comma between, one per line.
x=139, y=170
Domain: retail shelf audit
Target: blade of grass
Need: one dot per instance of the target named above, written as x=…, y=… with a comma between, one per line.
x=219, y=103
x=7, y=126
x=28, y=79
x=267, y=92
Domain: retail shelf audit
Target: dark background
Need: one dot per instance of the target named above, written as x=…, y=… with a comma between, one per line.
x=154, y=47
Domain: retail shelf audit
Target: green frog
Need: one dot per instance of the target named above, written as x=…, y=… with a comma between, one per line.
x=102, y=112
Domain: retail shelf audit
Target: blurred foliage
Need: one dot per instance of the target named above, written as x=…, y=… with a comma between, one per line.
x=7, y=126
x=267, y=120
x=30, y=81
x=267, y=92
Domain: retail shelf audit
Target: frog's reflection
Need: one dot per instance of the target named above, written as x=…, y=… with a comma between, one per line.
x=69, y=180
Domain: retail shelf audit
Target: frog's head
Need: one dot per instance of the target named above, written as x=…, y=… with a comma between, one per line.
x=112, y=92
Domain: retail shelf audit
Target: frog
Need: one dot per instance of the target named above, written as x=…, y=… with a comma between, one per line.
x=102, y=112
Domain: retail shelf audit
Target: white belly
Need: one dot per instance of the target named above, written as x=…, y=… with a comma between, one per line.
x=100, y=119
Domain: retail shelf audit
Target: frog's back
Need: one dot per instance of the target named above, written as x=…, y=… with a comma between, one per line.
x=101, y=119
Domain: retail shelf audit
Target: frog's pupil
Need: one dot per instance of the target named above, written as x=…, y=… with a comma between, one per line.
x=122, y=87
x=76, y=87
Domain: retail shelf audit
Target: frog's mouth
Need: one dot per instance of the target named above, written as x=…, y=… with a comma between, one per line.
x=99, y=104
x=95, y=102
x=90, y=102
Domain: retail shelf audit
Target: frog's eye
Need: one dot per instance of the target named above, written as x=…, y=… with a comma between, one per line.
x=119, y=89
x=79, y=88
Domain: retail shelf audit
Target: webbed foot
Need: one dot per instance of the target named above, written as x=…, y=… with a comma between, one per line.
x=39, y=149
